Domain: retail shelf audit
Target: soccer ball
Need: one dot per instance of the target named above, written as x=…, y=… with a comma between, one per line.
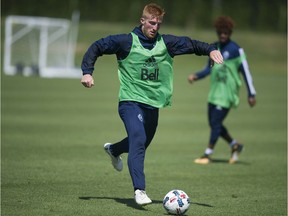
x=176, y=202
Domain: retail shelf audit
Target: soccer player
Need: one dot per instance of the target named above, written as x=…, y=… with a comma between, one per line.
x=224, y=88
x=145, y=70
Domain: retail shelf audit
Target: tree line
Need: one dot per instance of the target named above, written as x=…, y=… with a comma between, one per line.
x=263, y=15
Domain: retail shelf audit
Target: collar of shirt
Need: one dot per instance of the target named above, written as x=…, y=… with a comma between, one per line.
x=224, y=44
x=146, y=42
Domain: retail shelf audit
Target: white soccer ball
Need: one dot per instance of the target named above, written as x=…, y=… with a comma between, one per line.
x=176, y=202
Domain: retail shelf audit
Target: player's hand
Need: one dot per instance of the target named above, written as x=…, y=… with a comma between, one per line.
x=192, y=78
x=216, y=56
x=252, y=101
x=87, y=81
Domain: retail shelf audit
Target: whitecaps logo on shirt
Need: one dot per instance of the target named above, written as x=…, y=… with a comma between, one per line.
x=226, y=54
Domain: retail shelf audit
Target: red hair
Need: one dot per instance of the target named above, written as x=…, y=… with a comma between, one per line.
x=153, y=10
x=224, y=23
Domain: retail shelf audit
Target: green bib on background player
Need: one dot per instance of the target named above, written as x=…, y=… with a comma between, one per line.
x=146, y=76
x=225, y=83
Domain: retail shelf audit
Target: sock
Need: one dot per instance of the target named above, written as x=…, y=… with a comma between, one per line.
x=111, y=150
x=208, y=151
x=233, y=143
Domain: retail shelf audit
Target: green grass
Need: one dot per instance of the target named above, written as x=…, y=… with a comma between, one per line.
x=53, y=131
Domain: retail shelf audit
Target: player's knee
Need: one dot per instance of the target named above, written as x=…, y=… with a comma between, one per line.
x=138, y=138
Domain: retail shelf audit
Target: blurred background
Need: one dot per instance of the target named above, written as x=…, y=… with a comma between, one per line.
x=264, y=15
x=187, y=17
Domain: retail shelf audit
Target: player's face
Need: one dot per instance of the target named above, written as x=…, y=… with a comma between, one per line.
x=150, y=26
x=223, y=36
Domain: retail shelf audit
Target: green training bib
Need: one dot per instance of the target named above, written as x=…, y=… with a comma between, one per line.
x=225, y=83
x=146, y=76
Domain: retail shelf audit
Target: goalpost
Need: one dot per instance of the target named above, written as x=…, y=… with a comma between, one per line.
x=40, y=45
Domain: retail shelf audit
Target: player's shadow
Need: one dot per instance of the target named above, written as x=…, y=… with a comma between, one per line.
x=126, y=201
x=225, y=161
x=131, y=202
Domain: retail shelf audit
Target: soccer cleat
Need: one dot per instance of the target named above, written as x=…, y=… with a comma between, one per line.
x=116, y=161
x=203, y=160
x=141, y=197
x=236, y=150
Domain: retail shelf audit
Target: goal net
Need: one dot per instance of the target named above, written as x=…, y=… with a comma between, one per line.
x=41, y=46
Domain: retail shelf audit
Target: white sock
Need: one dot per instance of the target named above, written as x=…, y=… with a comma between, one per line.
x=233, y=143
x=208, y=151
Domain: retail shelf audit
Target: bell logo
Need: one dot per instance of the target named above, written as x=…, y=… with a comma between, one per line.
x=150, y=70
x=145, y=75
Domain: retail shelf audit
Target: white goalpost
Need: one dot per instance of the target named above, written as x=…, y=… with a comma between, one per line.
x=41, y=46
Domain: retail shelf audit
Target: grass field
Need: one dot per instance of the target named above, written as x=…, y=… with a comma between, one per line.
x=53, y=131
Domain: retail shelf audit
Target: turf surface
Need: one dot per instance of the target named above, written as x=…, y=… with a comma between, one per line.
x=53, y=131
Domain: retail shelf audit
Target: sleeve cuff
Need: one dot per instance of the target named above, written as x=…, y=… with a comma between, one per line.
x=212, y=47
x=87, y=71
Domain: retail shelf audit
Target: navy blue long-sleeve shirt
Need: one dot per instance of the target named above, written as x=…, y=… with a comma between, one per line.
x=231, y=50
x=121, y=44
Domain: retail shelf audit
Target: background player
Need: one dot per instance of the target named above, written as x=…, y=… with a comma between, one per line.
x=145, y=61
x=224, y=88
